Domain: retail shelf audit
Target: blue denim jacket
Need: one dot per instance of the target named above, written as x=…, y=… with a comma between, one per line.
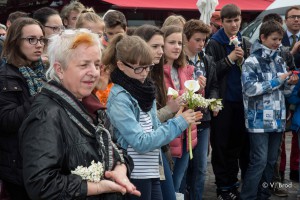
x=123, y=111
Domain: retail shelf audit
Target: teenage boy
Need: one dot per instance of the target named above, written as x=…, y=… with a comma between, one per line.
x=115, y=22
x=228, y=133
x=196, y=33
x=265, y=83
x=70, y=12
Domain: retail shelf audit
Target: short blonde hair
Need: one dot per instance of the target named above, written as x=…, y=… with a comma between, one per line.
x=61, y=47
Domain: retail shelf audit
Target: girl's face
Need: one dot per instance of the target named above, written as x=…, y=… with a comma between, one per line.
x=134, y=70
x=53, y=25
x=173, y=47
x=95, y=27
x=157, y=44
x=30, y=33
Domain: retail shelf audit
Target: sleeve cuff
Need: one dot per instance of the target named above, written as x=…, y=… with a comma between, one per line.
x=182, y=124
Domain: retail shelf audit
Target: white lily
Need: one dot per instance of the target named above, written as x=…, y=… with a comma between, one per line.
x=192, y=85
x=172, y=92
x=234, y=40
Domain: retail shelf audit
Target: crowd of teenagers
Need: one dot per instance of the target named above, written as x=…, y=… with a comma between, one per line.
x=84, y=110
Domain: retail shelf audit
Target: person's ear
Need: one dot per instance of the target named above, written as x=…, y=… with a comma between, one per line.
x=58, y=70
x=120, y=65
x=65, y=22
x=262, y=37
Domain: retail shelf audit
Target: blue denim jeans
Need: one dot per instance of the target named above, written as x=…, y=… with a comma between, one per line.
x=167, y=186
x=197, y=166
x=180, y=166
x=263, y=156
x=150, y=189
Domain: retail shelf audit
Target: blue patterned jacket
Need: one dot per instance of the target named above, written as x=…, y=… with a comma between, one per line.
x=264, y=91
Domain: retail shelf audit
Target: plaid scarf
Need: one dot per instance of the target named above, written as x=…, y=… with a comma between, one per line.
x=35, y=77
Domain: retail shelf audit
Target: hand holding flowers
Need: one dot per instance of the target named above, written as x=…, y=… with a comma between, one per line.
x=194, y=100
x=234, y=40
x=114, y=181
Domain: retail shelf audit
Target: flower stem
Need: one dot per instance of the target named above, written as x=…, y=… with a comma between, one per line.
x=190, y=142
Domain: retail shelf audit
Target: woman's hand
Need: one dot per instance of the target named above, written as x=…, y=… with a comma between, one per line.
x=190, y=116
x=119, y=175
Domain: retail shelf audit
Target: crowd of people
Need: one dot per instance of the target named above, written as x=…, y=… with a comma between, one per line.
x=85, y=111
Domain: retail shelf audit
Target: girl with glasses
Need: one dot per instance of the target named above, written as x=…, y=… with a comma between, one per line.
x=21, y=79
x=166, y=108
x=132, y=111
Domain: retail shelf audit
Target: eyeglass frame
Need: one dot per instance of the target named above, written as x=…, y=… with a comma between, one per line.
x=294, y=17
x=43, y=41
x=148, y=68
x=56, y=29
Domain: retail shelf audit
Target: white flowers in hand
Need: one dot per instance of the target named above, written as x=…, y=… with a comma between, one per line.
x=215, y=104
x=192, y=85
x=234, y=40
x=93, y=173
x=172, y=92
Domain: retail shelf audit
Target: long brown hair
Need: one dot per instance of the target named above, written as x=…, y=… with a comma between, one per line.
x=11, y=48
x=146, y=32
x=168, y=30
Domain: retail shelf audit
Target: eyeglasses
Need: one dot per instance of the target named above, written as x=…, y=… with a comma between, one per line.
x=56, y=29
x=139, y=70
x=34, y=40
x=294, y=17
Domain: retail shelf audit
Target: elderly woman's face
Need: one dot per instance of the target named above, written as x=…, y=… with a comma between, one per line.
x=82, y=72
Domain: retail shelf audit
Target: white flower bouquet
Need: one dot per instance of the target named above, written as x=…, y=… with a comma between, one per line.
x=193, y=101
x=93, y=173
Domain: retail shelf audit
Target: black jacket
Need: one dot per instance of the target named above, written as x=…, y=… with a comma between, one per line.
x=223, y=65
x=53, y=145
x=15, y=103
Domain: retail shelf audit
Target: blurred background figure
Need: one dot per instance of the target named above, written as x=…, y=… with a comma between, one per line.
x=2, y=30
x=115, y=22
x=70, y=12
x=13, y=16
x=177, y=20
x=215, y=22
x=90, y=20
x=50, y=20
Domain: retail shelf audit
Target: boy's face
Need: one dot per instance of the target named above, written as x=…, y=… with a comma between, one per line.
x=111, y=32
x=196, y=43
x=231, y=25
x=273, y=41
x=70, y=22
